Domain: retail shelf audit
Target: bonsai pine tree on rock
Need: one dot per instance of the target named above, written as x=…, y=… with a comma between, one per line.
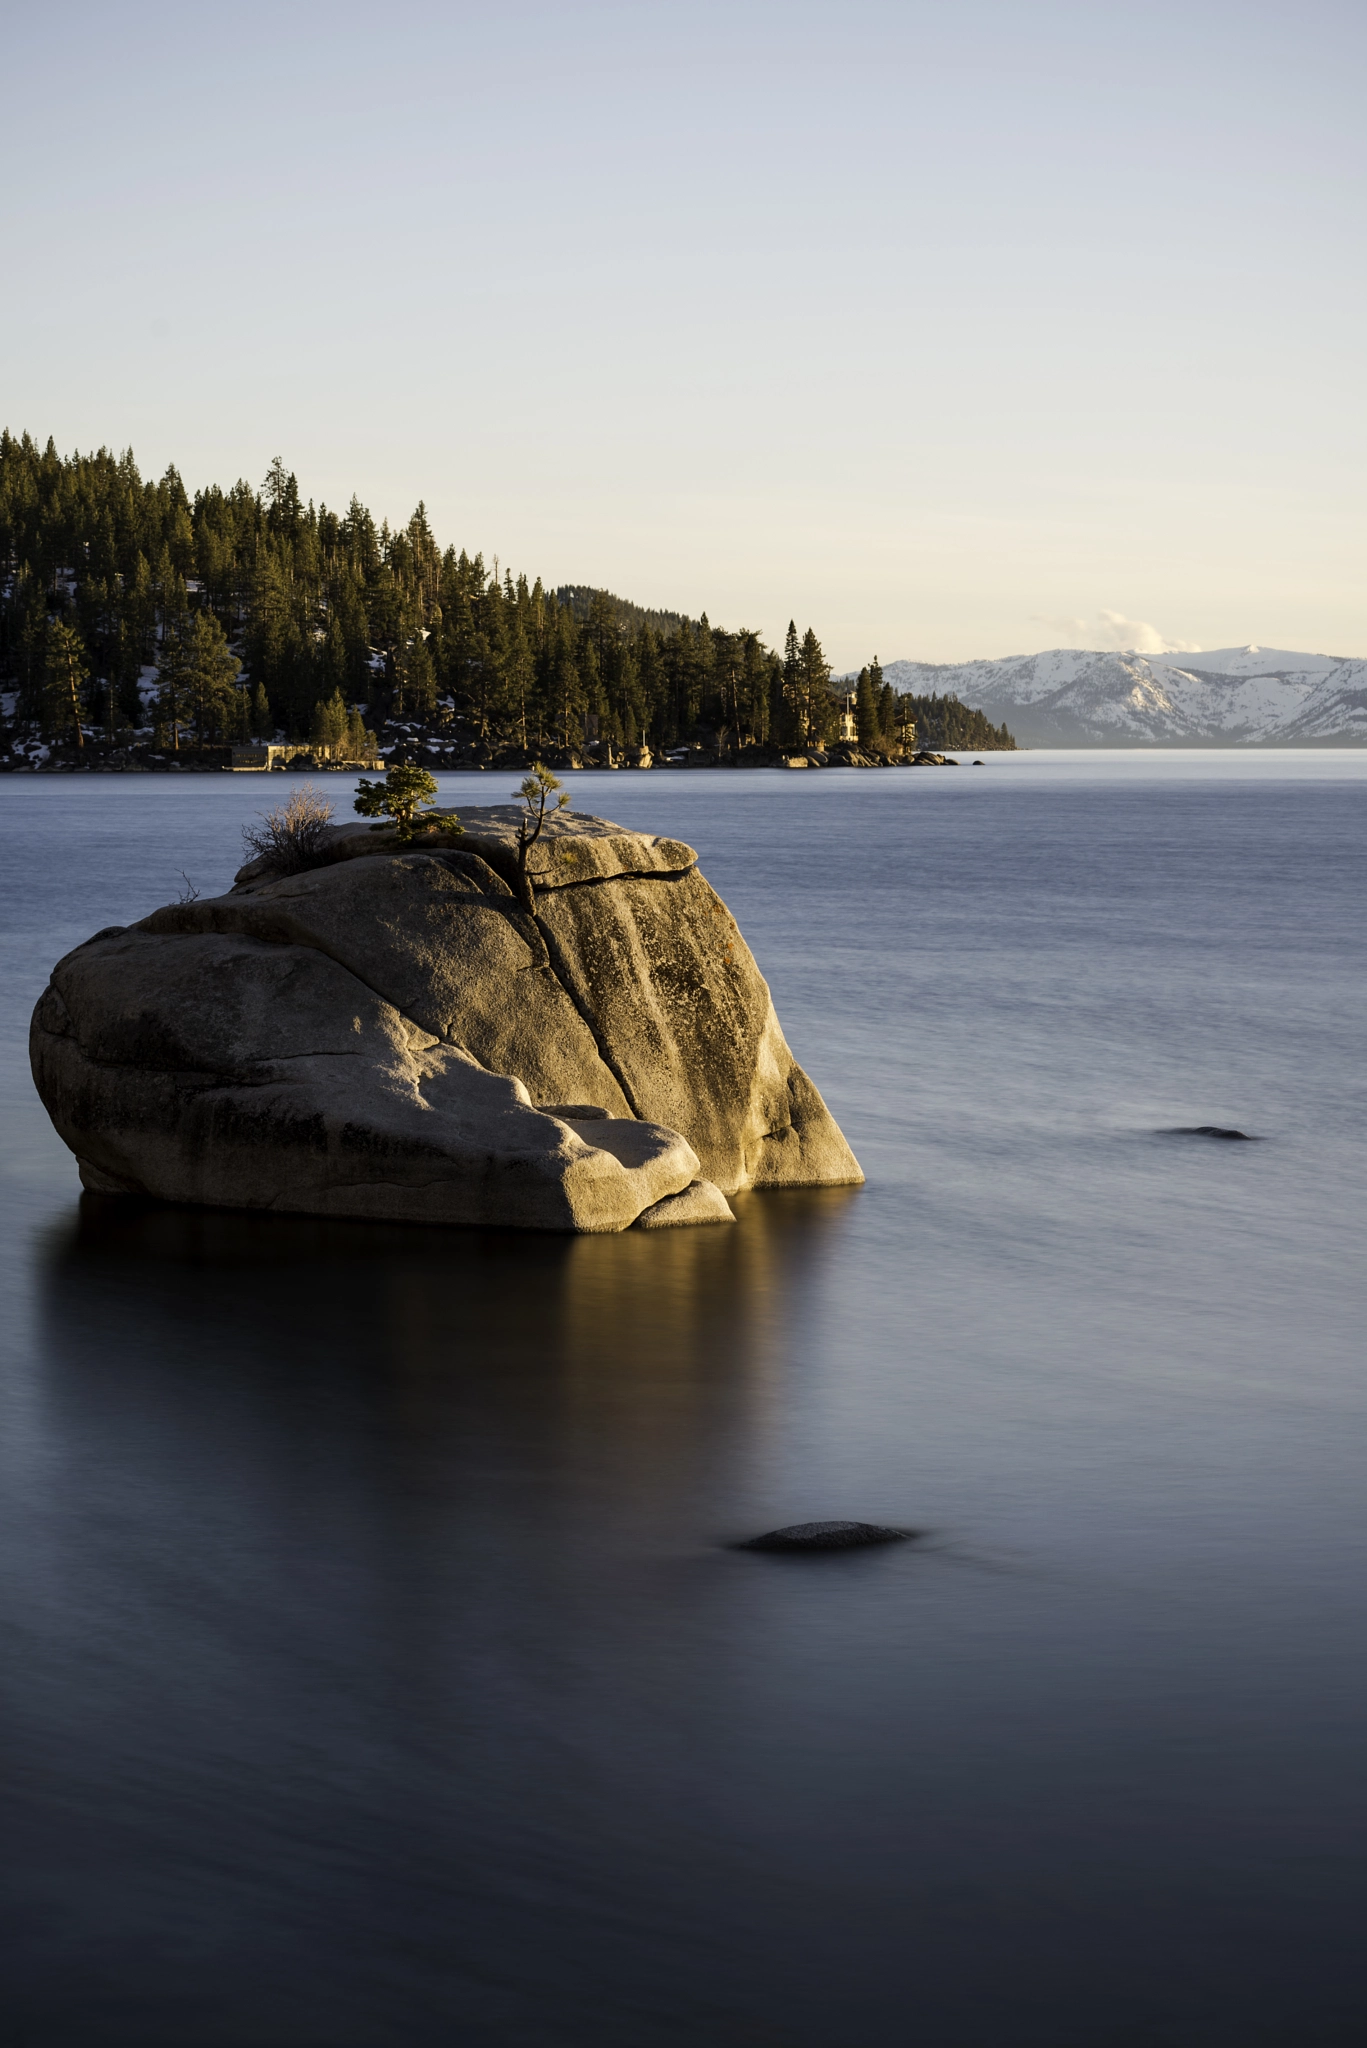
x=535, y=793
x=398, y=797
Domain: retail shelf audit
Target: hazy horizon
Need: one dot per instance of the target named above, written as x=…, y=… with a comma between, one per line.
x=954, y=335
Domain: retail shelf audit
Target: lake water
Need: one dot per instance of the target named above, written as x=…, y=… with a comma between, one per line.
x=375, y=1668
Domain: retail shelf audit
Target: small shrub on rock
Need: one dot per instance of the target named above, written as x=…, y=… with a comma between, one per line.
x=292, y=837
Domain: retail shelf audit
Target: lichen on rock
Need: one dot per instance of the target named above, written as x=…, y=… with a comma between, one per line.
x=392, y=1035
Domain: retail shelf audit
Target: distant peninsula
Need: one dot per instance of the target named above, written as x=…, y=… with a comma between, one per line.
x=142, y=628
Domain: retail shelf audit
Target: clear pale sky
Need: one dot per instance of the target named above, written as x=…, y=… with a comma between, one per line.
x=951, y=330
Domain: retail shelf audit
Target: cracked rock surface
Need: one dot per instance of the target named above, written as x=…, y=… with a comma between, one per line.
x=391, y=1035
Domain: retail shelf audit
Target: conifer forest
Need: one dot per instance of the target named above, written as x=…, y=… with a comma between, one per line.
x=141, y=627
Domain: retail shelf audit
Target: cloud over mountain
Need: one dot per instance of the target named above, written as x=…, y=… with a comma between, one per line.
x=1113, y=629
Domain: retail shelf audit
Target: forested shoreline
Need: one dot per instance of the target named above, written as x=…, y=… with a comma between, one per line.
x=139, y=623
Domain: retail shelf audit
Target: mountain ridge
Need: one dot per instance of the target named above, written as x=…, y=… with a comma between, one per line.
x=1224, y=696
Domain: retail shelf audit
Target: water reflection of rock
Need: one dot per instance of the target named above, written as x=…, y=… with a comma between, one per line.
x=372, y=1599
x=487, y=1364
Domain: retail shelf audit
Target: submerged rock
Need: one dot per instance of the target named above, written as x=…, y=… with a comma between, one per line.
x=700, y=1202
x=392, y=1035
x=1209, y=1131
x=826, y=1536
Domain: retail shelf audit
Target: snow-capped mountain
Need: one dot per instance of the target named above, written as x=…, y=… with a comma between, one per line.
x=1234, y=696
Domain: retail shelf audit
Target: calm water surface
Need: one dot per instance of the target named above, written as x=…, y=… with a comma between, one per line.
x=375, y=1670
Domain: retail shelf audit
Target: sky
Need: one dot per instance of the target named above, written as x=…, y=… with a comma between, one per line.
x=950, y=330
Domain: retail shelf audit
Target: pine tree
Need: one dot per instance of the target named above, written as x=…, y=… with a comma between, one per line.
x=213, y=674
x=171, y=598
x=794, y=725
x=198, y=680
x=281, y=490
x=566, y=696
x=866, y=710
x=140, y=610
x=535, y=793
x=66, y=673
x=173, y=692
x=361, y=744
x=399, y=796
x=815, y=673
x=415, y=682
x=330, y=727
x=520, y=677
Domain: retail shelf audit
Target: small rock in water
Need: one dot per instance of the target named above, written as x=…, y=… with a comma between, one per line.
x=1208, y=1131
x=826, y=1536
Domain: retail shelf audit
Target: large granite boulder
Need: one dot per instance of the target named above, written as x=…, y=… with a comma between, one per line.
x=393, y=1035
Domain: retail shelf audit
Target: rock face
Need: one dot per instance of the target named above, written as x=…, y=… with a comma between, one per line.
x=391, y=1035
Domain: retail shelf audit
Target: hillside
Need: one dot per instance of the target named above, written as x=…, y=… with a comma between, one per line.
x=140, y=623
x=1232, y=696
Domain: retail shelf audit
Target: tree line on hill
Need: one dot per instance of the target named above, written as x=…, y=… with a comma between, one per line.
x=126, y=604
